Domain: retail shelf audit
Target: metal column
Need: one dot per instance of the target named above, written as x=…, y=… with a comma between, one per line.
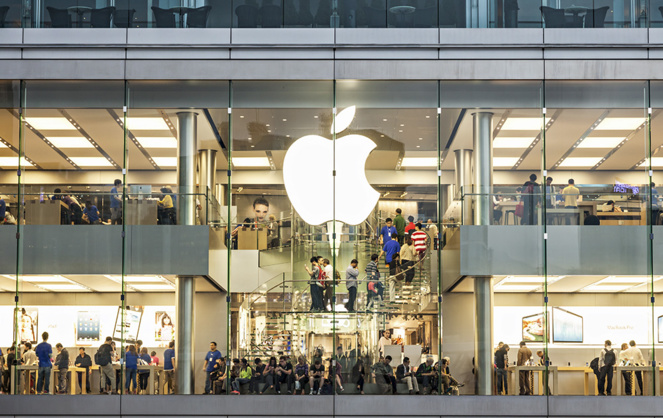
x=464, y=182
x=483, y=167
x=207, y=184
x=186, y=215
x=483, y=285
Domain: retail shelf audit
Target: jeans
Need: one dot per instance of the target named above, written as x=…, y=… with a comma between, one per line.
x=606, y=371
x=301, y=383
x=43, y=379
x=407, y=267
x=239, y=381
x=131, y=377
x=208, y=382
x=350, y=306
x=87, y=381
x=143, y=380
x=627, y=383
x=573, y=218
x=316, y=296
x=502, y=382
x=62, y=380
x=254, y=384
x=283, y=378
x=107, y=371
x=170, y=381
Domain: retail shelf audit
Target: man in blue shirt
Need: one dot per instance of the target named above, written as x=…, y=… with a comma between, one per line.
x=116, y=203
x=44, y=352
x=387, y=231
x=169, y=367
x=91, y=213
x=390, y=248
x=211, y=362
x=3, y=209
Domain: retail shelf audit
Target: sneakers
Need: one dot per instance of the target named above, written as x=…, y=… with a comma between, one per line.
x=319, y=390
x=235, y=392
x=311, y=392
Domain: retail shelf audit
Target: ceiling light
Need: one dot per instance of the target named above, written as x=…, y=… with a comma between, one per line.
x=580, y=162
x=50, y=124
x=166, y=161
x=523, y=124
x=419, y=162
x=3, y=145
x=600, y=142
x=42, y=279
x=655, y=162
x=145, y=124
x=13, y=162
x=152, y=286
x=504, y=161
x=250, y=161
x=70, y=141
x=157, y=141
x=91, y=161
x=509, y=142
x=605, y=288
x=619, y=124
x=136, y=279
x=517, y=287
x=68, y=287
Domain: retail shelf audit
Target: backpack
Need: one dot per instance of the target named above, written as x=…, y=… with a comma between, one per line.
x=594, y=365
x=102, y=356
x=610, y=359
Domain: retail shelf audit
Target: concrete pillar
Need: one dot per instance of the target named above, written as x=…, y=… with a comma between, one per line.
x=483, y=167
x=186, y=215
x=444, y=198
x=464, y=182
x=483, y=285
x=207, y=183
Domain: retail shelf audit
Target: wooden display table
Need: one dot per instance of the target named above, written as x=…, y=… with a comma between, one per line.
x=540, y=372
x=586, y=371
x=646, y=383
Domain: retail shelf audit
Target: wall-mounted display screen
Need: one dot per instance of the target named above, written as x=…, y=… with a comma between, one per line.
x=660, y=329
x=28, y=321
x=88, y=328
x=533, y=327
x=129, y=323
x=567, y=326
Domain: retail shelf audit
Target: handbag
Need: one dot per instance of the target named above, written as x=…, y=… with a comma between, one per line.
x=520, y=209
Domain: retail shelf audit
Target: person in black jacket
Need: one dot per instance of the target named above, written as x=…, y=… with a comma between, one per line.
x=405, y=374
x=62, y=361
x=10, y=361
x=104, y=361
x=83, y=361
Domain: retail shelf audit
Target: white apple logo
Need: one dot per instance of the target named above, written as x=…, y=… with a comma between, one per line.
x=307, y=174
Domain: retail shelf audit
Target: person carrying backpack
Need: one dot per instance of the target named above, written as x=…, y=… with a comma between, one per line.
x=607, y=360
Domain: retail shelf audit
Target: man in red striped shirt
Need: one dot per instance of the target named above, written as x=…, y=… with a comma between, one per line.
x=419, y=239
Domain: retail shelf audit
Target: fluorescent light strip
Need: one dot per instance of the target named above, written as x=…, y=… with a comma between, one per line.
x=523, y=124
x=655, y=162
x=510, y=142
x=50, y=124
x=157, y=142
x=600, y=142
x=3, y=145
x=137, y=279
x=250, y=161
x=152, y=286
x=13, y=162
x=580, y=162
x=70, y=142
x=619, y=124
x=60, y=287
x=165, y=161
x=504, y=161
x=419, y=162
x=147, y=124
x=91, y=161
x=41, y=279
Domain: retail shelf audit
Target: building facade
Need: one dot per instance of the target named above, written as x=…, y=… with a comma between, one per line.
x=169, y=171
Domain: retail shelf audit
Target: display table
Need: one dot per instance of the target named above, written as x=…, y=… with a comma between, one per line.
x=586, y=371
x=623, y=218
x=540, y=372
x=646, y=370
x=71, y=371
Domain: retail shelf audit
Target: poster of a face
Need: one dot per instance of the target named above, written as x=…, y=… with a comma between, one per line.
x=261, y=209
x=164, y=327
x=28, y=320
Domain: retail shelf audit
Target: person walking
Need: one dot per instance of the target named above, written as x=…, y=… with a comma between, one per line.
x=351, y=281
x=104, y=360
x=399, y=223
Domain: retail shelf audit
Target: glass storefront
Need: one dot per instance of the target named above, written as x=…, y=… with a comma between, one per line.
x=332, y=237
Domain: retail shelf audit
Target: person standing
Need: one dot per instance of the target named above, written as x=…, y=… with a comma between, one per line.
x=571, y=193
x=104, y=360
x=433, y=232
x=419, y=238
x=408, y=257
x=85, y=362
x=390, y=248
x=211, y=362
x=169, y=367
x=409, y=228
x=502, y=364
x=44, y=352
x=351, y=277
x=3, y=209
x=91, y=214
x=131, y=362
x=372, y=280
x=329, y=285
x=315, y=272
x=635, y=358
x=144, y=375
x=62, y=361
x=404, y=374
x=551, y=199
x=385, y=339
x=7, y=374
x=116, y=203
x=387, y=231
x=524, y=354
x=530, y=200
x=399, y=223
x=607, y=360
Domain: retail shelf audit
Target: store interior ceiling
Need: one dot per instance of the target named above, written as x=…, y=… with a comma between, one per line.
x=92, y=139
x=97, y=283
x=567, y=284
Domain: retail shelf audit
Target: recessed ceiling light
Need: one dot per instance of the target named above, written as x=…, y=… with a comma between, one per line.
x=2, y=145
x=419, y=162
x=67, y=286
x=136, y=279
x=42, y=279
x=523, y=124
x=241, y=116
x=384, y=120
x=157, y=141
x=285, y=120
x=619, y=124
x=145, y=124
x=91, y=161
x=580, y=162
x=655, y=162
x=504, y=161
x=13, y=162
x=152, y=286
x=250, y=161
x=50, y=124
x=166, y=161
x=316, y=116
x=600, y=142
x=508, y=142
x=606, y=288
x=70, y=142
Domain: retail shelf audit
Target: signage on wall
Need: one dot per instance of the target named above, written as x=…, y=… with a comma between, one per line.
x=624, y=188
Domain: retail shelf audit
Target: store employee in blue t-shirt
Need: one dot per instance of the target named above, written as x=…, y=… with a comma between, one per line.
x=390, y=248
x=387, y=231
x=211, y=363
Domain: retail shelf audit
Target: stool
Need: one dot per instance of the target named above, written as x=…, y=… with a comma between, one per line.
x=506, y=217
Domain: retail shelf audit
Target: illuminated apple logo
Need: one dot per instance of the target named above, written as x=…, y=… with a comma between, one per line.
x=307, y=174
